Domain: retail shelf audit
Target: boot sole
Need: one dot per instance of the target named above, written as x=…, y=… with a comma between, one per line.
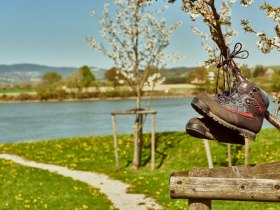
x=204, y=110
x=198, y=131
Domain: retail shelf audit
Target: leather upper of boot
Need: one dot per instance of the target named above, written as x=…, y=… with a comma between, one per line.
x=245, y=107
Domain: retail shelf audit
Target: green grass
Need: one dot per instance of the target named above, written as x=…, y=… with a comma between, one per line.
x=176, y=151
x=17, y=90
x=30, y=188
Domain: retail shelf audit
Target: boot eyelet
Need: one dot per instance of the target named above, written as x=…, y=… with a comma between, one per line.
x=255, y=89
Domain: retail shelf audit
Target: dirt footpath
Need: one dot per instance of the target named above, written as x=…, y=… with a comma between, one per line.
x=115, y=190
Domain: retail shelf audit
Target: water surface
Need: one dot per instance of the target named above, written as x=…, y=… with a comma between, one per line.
x=50, y=120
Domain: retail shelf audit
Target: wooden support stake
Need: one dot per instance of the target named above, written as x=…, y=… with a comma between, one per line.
x=199, y=204
x=208, y=153
x=136, y=148
x=247, y=147
x=137, y=141
x=115, y=142
x=153, y=143
x=229, y=155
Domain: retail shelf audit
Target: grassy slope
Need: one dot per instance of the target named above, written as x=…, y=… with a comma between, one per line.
x=175, y=152
x=29, y=188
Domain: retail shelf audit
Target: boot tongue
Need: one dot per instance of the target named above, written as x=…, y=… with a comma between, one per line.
x=243, y=86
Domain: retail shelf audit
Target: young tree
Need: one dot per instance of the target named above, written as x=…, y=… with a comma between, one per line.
x=136, y=40
x=49, y=88
x=51, y=77
x=113, y=75
x=82, y=78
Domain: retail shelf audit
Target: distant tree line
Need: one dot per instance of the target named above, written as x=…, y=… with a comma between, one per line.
x=268, y=77
x=83, y=84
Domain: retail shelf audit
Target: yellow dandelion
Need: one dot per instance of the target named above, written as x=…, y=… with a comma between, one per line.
x=27, y=206
x=76, y=188
x=85, y=206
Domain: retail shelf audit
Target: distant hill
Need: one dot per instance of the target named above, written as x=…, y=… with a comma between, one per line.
x=24, y=73
x=176, y=72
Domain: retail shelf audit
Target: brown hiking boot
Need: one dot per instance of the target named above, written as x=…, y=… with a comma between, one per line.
x=242, y=110
x=205, y=128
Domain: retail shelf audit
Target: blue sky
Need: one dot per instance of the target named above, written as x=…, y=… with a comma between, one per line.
x=53, y=32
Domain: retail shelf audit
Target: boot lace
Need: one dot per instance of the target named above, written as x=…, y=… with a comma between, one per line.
x=231, y=74
x=230, y=70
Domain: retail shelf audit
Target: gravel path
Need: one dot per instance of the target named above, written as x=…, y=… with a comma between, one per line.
x=115, y=190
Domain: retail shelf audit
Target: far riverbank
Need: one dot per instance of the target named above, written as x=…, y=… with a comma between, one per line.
x=104, y=93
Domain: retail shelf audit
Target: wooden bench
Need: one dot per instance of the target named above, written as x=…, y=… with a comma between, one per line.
x=259, y=182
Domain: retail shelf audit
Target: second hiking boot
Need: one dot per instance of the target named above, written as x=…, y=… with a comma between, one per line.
x=242, y=110
x=205, y=128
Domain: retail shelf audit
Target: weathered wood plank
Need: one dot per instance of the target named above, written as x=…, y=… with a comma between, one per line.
x=225, y=188
x=265, y=171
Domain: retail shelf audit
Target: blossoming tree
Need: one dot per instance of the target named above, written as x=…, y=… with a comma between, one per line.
x=221, y=31
x=135, y=39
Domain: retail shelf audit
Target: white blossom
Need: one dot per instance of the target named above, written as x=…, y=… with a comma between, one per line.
x=263, y=46
x=92, y=13
x=276, y=42
x=246, y=3
x=277, y=20
x=272, y=15
x=118, y=2
x=194, y=16
x=260, y=34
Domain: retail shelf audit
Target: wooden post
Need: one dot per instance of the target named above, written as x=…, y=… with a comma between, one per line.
x=208, y=153
x=115, y=142
x=137, y=141
x=136, y=148
x=247, y=147
x=229, y=155
x=153, y=143
x=140, y=137
x=199, y=204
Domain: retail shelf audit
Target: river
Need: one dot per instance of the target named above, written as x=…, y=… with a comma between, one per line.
x=51, y=120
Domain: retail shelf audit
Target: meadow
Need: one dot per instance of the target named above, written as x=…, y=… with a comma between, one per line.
x=29, y=188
